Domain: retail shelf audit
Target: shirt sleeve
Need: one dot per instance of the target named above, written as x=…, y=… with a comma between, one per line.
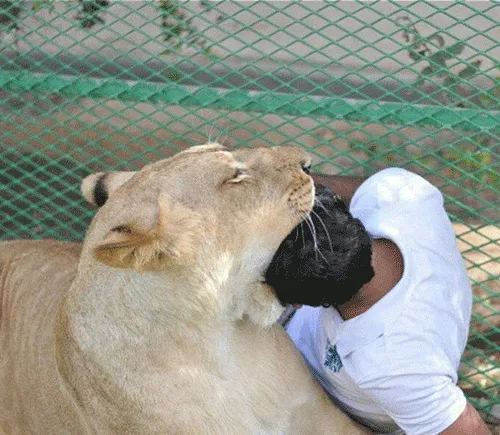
x=421, y=404
x=399, y=204
x=395, y=187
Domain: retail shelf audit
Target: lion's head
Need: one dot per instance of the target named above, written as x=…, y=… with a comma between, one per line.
x=205, y=218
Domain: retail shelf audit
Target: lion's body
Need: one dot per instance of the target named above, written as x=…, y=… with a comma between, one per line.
x=34, y=278
x=141, y=334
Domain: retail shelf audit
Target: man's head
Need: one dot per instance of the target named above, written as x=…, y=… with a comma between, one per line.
x=326, y=259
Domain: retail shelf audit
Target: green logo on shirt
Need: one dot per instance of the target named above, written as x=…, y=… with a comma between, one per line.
x=332, y=358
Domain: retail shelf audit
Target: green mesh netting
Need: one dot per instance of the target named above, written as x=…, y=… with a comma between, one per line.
x=96, y=85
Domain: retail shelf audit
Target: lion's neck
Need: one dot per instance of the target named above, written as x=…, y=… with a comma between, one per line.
x=137, y=313
x=116, y=336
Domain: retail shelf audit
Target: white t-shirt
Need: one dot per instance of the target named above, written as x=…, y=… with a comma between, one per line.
x=394, y=367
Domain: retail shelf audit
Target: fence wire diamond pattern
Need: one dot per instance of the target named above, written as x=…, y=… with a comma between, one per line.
x=97, y=85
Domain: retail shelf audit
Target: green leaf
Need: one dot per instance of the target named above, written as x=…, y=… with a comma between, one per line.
x=175, y=76
x=43, y=3
x=169, y=7
x=428, y=70
x=427, y=161
x=455, y=49
x=441, y=56
x=211, y=53
x=487, y=101
x=417, y=54
x=492, y=178
x=450, y=81
x=485, y=158
x=436, y=37
x=438, y=59
x=471, y=70
x=409, y=29
x=451, y=154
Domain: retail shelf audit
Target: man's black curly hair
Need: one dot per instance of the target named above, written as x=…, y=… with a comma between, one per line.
x=330, y=273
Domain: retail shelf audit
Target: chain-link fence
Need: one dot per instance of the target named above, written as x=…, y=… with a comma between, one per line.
x=96, y=85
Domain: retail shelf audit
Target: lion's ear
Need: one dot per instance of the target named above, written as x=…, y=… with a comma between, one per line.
x=173, y=238
x=98, y=187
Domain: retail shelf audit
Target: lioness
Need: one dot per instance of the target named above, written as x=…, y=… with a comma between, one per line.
x=162, y=324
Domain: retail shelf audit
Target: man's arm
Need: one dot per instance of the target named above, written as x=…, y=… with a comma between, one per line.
x=342, y=185
x=468, y=423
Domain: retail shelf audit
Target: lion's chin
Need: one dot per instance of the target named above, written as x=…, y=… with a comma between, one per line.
x=264, y=307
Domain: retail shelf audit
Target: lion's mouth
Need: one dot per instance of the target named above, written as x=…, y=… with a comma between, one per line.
x=278, y=273
x=295, y=264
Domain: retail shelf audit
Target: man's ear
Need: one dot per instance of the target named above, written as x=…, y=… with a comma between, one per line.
x=173, y=238
x=97, y=188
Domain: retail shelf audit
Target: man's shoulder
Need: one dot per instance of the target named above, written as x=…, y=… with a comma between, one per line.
x=395, y=185
x=399, y=178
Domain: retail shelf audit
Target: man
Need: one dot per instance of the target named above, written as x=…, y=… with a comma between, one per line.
x=389, y=352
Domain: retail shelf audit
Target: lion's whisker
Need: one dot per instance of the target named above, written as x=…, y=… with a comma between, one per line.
x=302, y=232
x=326, y=231
x=211, y=130
x=296, y=236
x=318, y=201
x=308, y=220
x=316, y=247
x=310, y=224
x=312, y=229
x=223, y=143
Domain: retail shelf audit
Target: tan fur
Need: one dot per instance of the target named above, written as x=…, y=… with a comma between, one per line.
x=162, y=325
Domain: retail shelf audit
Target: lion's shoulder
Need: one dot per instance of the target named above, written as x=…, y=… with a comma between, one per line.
x=46, y=263
x=9, y=248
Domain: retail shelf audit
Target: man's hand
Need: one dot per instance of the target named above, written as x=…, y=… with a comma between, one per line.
x=468, y=423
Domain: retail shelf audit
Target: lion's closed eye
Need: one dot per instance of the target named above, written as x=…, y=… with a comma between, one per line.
x=239, y=175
